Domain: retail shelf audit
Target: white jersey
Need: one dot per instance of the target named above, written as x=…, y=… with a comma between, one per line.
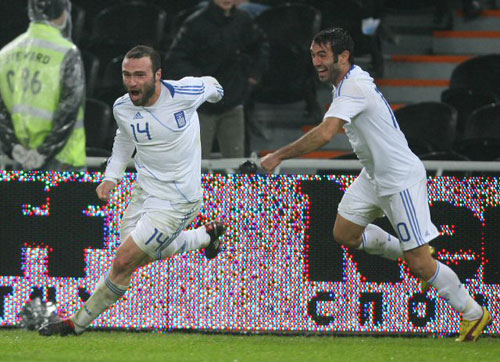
x=374, y=133
x=166, y=137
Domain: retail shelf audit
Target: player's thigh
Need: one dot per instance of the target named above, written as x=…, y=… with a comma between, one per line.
x=128, y=258
x=158, y=228
x=409, y=213
x=133, y=212
x=347, y=233
x=360, y=203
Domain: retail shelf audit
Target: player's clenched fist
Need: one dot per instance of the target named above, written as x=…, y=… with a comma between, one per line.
x=269, y=162
x=104, y=190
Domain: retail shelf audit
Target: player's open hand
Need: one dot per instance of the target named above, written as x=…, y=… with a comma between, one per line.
x=269, y=162
x=104, y=190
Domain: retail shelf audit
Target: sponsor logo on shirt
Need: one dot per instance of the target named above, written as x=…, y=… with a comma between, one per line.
x=138, y=115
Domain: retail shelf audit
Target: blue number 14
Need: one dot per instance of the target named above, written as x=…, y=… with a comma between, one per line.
x=137, y=128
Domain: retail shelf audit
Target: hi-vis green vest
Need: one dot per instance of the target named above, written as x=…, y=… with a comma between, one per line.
x=30, y=84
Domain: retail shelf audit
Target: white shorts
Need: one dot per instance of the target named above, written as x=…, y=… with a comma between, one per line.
x=154, y=223
x=408, y=210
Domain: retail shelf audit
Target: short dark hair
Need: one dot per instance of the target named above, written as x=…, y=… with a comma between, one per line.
x=339, y=39
x=141, y=51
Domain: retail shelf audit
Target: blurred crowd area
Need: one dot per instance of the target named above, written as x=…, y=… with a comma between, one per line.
x=462, y=124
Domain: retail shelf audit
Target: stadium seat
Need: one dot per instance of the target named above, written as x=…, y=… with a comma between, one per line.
x=480, y=74
x=285, y=98
x=113, y=72
x=15, y=21
x=481, y=139
x=110, y=86
x=97, y=123
x=290, y=74
x=176, y=22
x=346, y=156
x=92, y=8
x=409, y=5
x=339, y=13
x=78, y=23
x=347, y=15
x=91, y=66
x=449, y=155
x=465, y=101
x=428, y=126
x=174, y=7
x=419, y=146
x=129, y=24
x=118, y=28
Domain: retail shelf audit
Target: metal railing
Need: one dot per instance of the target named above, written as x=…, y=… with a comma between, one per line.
x=310, y=166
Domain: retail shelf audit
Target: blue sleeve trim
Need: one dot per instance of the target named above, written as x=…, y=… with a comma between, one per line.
x=169, y=87
x=340, y=87
x=118, y=103
x=345, y=77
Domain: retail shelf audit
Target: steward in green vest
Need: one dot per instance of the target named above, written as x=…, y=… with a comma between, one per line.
x=42, y=93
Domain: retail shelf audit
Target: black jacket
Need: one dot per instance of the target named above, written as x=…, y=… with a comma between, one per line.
x=229, y=48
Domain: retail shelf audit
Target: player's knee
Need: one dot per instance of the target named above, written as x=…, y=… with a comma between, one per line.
x=416, y=267
x=337, y=235
x=345, y=237
x=420, y=266
x=123, y=265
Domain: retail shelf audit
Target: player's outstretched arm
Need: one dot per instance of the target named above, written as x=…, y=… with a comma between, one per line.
x=104, y=190
x=311, y=141
x=214, y=89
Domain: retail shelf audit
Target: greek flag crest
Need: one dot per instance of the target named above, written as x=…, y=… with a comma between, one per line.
x=180, y=118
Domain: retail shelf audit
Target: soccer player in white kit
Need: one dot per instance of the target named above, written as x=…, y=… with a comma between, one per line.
x=158, y=120
x=392, y=181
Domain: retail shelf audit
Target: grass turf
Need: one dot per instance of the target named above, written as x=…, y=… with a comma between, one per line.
x=21, y=345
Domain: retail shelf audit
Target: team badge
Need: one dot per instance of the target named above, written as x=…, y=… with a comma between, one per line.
x=180, y=118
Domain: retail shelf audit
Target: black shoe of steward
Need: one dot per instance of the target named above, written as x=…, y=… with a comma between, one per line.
x=62, y=328
x=215, y=229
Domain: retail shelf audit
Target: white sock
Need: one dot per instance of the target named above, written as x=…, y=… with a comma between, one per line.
x=452, y=290
x=187, y=240
x=105, y=294
x=379, y=242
